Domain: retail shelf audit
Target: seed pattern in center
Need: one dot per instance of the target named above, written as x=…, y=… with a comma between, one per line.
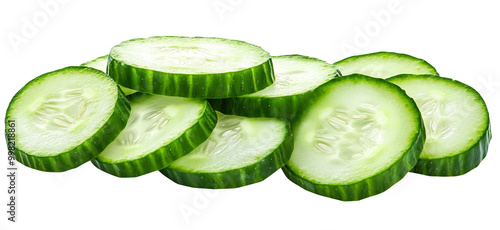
x=228, y=133
x=141, y=127
x=61, y=110
x=349, y=135
x=440, y=116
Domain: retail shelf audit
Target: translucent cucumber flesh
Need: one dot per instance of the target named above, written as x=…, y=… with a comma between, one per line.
x=454, y=117
x=384, y=65
x=100, y=63
x=235, y=142
x=189, y=55
x=61, y=111
x=297, y=74
x=154, y=122
x=356, y=131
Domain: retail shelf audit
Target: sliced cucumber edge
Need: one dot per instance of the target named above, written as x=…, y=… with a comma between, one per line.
x=239, y=177
x=163, y=156
x=431, y=67
x=286, y=107
x=208, y=86
x=88, y=149
x=459, y=163
x=374, y=184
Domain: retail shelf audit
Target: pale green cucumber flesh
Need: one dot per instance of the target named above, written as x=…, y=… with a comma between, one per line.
x=359, y=136
x=240, y=151
x=101, y=63
x=456, y=120
x=296, y=76
x=191, y=66
x=160, y=130
x=66, y=117
x=384, y=65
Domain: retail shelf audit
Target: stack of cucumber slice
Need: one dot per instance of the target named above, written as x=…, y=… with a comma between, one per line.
x=456, y=118
x=220, y=113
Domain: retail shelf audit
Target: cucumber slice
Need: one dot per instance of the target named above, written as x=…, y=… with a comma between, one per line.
x=296, y=77
x=359, y=136
x=101, y=63
x=239, y=152
x=457, y=124
x=160, y=130
x=191, y=66
x=384, y=65
x=66, y=117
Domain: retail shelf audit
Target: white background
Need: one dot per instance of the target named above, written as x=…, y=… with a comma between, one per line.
x=460, y=38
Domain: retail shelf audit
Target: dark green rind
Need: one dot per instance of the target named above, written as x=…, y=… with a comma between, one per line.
x=370, y=186
x=285, y=107
x=236, y=177
x=381, y=53
x=162, y=157
x=213, y=85
x=459, y=163
x=87, y=150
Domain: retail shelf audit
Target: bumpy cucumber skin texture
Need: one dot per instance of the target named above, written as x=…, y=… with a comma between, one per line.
x=460, y=163
x=286, y=107
x=218, y=85
x=432, y=70
x=237, y=177
x=87, y=150
x=370, y=186
x=280, y=107
x=375, y=184
x=162, y=157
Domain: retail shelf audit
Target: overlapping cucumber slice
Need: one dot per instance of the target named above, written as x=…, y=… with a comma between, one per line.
x=197, y=67
x=359, y=136
x=347, y=137
x=456, y=121
x=101, y=63
x=66, y=117
x=384, y=65
x=160, y=130
x=296, y=77
x=239, y=152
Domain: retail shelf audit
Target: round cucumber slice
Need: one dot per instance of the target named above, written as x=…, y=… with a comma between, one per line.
x=160, y=130
x=358, y=137
x=239, y=152
x=457, y=124
x=384, y=65
x=101, y=63
x=66, y=117
x=191, y=66
x=296, y=77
